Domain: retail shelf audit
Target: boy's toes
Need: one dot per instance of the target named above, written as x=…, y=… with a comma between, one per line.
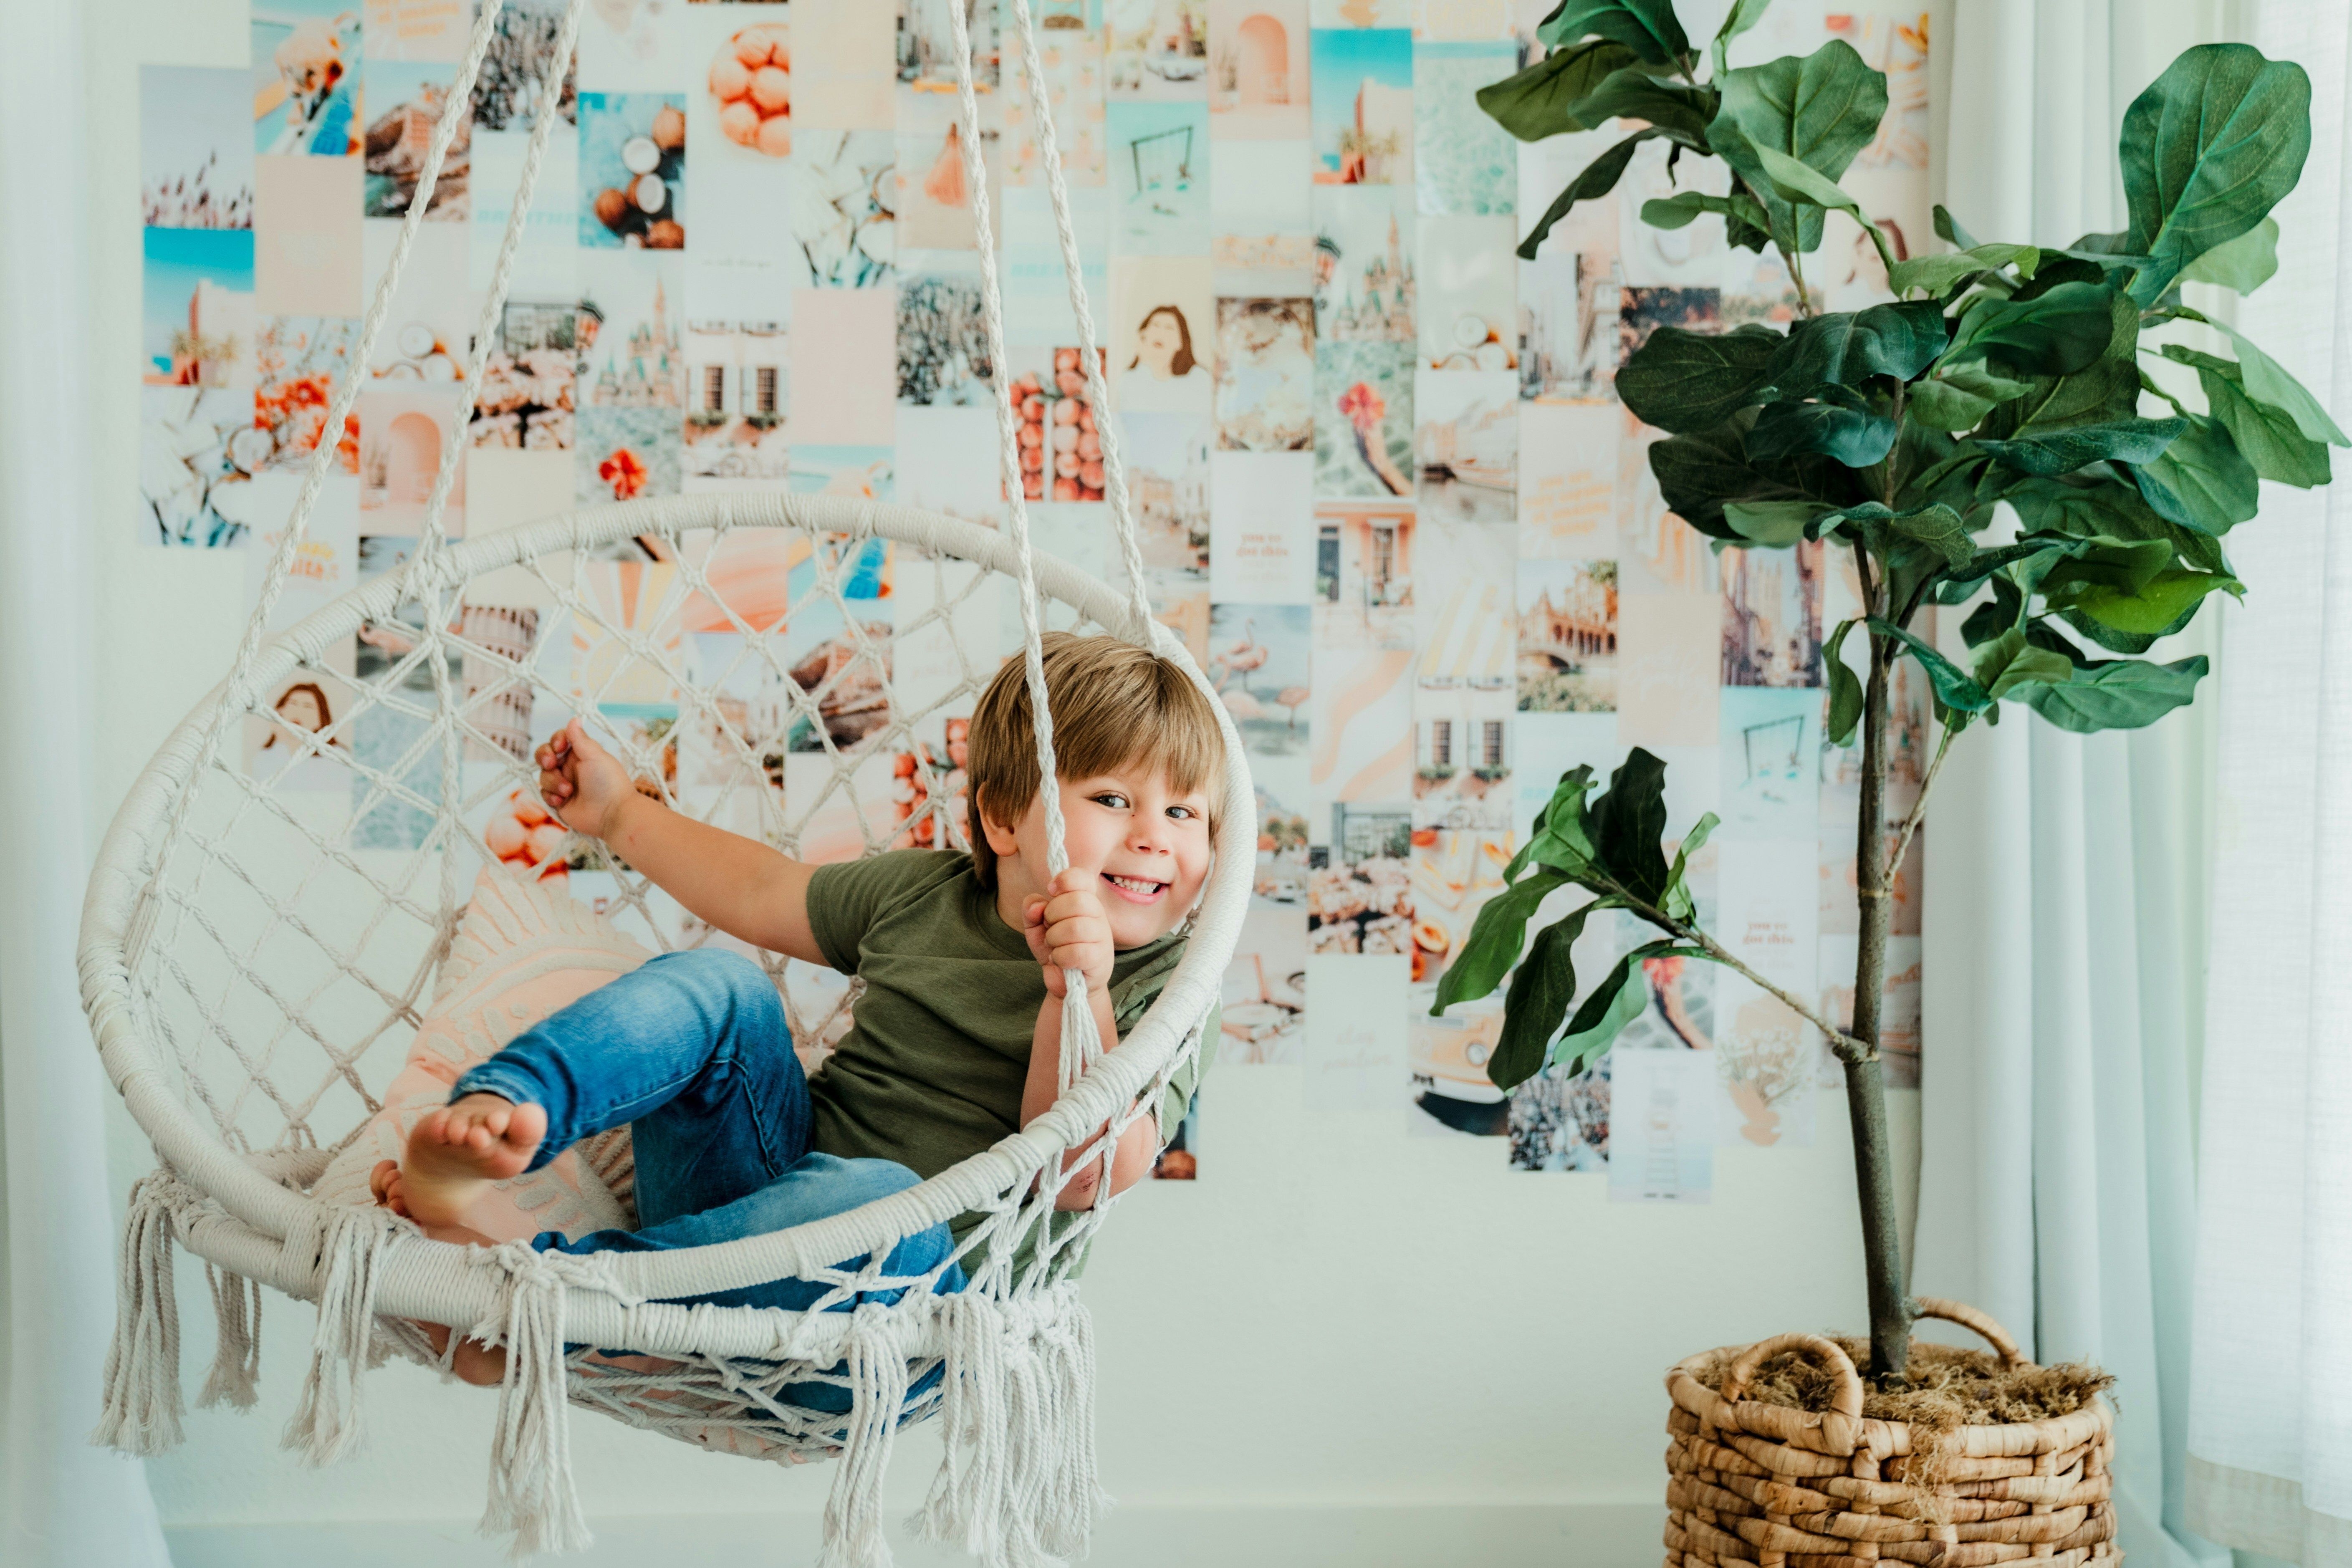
x=380, y=1179
x=478, y=1363
x=526, y=1125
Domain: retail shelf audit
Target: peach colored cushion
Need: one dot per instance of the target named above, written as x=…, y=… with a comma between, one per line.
x=523, y=950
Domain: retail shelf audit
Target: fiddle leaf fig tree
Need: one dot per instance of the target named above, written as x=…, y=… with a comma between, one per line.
x=2000, y=372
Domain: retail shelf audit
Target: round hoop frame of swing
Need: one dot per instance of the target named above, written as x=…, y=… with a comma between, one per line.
x=258, y=1211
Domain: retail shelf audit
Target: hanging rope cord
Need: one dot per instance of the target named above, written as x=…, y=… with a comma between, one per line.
x=427, y=569
x=1081, y=1040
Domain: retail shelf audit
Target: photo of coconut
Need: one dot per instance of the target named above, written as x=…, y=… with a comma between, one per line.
x=632, y=171
x=404, y=105
x=195, y=147
x=1265, y=375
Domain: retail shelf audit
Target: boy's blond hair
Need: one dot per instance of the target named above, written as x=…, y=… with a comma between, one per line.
x=1113, y=704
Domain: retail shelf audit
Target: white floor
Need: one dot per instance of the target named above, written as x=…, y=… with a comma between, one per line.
x=1502, y=1536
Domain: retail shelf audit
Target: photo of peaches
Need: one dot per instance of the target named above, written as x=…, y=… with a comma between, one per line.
x=752, y=77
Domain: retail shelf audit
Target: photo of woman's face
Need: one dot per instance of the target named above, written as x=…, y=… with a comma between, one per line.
x=300, y=708
x=1161, y=334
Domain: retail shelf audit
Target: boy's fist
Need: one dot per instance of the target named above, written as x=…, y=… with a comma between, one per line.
x=584, y=785
x=1067, y=929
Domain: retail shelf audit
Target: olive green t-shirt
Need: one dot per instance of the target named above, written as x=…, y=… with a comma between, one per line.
x=932, y=1069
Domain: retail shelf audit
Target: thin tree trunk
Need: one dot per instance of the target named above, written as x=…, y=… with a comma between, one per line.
x=1865, y=1081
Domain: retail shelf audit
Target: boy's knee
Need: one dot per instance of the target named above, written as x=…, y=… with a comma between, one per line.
x=869, y=1181
x=725, y=977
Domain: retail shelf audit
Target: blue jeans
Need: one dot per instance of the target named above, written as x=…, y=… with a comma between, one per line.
x=691, y=1051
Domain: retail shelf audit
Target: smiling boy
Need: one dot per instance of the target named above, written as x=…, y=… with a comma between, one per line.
x=956, y=1040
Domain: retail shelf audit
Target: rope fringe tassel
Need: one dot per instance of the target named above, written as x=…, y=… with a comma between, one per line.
x=350, y=1246
x=236, y=1358
x=877, y=1392
x=141, y=1411
x=531, y=1489
x=1017, y=1487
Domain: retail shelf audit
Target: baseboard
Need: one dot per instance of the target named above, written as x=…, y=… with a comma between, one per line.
x=1565, y=1535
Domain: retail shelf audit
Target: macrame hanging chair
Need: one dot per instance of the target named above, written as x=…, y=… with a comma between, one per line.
x=253, y=970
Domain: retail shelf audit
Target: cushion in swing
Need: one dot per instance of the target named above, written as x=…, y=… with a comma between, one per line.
x=524, y=949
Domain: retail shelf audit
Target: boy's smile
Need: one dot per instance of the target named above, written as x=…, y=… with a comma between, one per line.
x=1147, y=843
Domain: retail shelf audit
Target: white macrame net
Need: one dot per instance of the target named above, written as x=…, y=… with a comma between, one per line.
x=256, y=956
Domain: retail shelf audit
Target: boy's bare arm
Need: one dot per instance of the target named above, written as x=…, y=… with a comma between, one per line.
x=745, y=889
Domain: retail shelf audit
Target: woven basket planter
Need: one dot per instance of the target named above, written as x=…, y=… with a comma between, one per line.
x=1751, y=1482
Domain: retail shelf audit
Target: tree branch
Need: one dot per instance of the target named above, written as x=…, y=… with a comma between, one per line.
x=1919, y=806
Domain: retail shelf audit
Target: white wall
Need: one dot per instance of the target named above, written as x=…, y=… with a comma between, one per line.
x=1343, y=1345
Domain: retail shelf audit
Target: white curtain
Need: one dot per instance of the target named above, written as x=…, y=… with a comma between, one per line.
x=64, y=1502
x=2270, y=1427
x=2060, y=985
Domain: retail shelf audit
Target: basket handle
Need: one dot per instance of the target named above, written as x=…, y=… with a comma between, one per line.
x=1846, y=1401
x=1981, y=1323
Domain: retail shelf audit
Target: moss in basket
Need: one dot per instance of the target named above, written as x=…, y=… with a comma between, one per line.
x=1999, y=374
x=1942, y=1388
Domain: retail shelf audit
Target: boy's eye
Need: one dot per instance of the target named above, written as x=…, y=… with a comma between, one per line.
x=1182, y=812
x=1113, y=799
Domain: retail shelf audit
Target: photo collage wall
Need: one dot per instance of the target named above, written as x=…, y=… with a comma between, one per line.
x=1386, y=494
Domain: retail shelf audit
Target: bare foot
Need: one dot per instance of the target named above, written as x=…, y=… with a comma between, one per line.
x=461, y=1148
x=475, y=1361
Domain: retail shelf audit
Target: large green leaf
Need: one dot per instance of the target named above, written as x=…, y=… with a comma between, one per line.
x=1821, y=111
x=1679, y=902
x=1686, y=207
x=1598, y=178
x=1849, y=347
x=1559, y=837
x=2056, y=332
x=1959, y=398
x=1681, y=381
x=1648, y=28
x=1629, y=823
x=2268, y=382
x=2202, y=480
x=2062, y=451
x=1936, y=528
x=1845, y=688
x=1955, y=689
x=1541, y=989
x=1744, y=15
x=1774, y=524
x=2116, y=694
x=2124, y=565
x=1682, y=112
x=1698, y=473
x=2100, y=505
x=2009, y=662
x=2160, y=607
x=1935, y=274
x=2265, y=434
x=2243, y=264
x=1616, y=1002
x=2208, y=150
x=1542, y=99
x=1495, y=938
x=1855, y=436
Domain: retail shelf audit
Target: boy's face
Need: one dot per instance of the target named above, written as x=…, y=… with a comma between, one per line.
x=1146, y=843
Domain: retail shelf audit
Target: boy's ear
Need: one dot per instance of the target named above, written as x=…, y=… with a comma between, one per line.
x=1000, y=837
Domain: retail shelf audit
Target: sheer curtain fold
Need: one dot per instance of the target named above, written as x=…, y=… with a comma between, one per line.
x=2269, y=1442
x=2054, y=1179
x=62, y=1502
